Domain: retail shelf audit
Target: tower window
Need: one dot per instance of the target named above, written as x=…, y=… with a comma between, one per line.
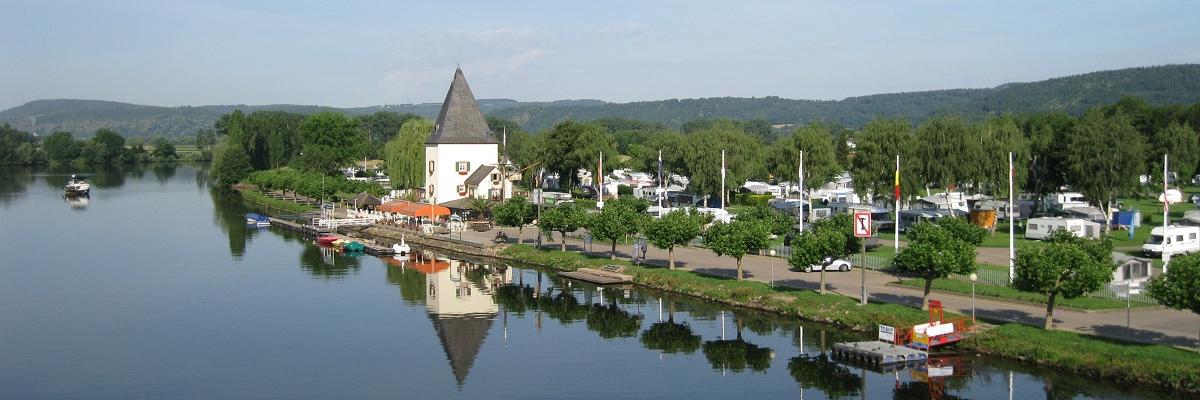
x=463, y=167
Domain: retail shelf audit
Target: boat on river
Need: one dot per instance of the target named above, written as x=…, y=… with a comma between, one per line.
x=77, y=186
x=326, y=240
x=257, y=220
x=402, y=248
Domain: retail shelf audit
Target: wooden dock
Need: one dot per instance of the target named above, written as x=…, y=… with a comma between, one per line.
x=296, y=227
x=877, y=354
x=607, y=275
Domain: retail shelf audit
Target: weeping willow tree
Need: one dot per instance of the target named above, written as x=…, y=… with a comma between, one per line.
x=405, y=154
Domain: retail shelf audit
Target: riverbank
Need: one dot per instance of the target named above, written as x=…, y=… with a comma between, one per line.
x=256, y=197
x=1114, y=360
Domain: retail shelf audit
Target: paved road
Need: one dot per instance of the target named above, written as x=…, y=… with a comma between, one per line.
x=1150, y=325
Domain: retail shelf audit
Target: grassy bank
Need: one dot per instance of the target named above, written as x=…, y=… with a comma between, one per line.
x=1007, y=293
x=1112, y=360
x=807, y=304
x=282, y=205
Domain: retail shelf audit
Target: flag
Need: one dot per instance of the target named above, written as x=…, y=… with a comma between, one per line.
x=897, y=183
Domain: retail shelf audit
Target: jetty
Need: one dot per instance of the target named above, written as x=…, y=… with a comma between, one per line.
x=369, y=246
x=878, y=354
x=606, y=275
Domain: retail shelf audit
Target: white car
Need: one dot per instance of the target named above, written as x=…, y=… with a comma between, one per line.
x=835, y=265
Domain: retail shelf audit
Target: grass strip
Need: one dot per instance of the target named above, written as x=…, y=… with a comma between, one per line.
x=284, y=205
x=1007, y=293
x=1108, y=359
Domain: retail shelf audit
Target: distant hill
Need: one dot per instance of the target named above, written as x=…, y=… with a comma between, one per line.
x=1159, y=85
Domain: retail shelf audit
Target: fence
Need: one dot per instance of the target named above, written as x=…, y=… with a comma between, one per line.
x=995, y=277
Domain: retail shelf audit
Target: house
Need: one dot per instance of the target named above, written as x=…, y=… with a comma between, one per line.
x=461, y=155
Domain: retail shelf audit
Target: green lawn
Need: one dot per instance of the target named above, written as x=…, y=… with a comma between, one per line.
x=1007, y=293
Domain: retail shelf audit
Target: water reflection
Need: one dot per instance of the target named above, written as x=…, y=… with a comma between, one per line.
x=77, y=203
x=737, y=354
x=822, y=373
x=669, y=336
x=460, y=302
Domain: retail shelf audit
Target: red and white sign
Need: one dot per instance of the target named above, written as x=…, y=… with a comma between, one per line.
x=862, y=224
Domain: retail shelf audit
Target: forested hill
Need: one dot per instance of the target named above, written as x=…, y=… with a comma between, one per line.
x=1158, y=85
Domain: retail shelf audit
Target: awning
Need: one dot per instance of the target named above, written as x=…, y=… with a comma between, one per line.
x=414, y=209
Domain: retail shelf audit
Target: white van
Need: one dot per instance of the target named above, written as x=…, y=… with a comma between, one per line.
x=1179, y=239
x=1041, y=228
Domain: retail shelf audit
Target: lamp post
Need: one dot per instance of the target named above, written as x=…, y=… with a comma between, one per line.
x=771, y=253
x=973, y=279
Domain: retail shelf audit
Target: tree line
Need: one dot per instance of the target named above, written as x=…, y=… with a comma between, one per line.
x=105, y=147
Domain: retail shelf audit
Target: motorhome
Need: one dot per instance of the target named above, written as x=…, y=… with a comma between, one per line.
x=1063, y=201
x=1042, y=228
x=943, y=201
x=881, y=218
x=1177, y=239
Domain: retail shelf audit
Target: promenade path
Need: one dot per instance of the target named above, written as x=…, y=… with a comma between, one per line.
x=1149, y=324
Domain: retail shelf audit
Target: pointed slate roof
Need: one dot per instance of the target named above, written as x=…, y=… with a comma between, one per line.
x=460, y=121
x=462, y=336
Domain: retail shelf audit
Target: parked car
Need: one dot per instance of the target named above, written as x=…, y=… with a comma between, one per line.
x=832, y=265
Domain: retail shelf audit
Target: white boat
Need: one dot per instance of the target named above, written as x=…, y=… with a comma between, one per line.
x=401, y=249
x=77, y=186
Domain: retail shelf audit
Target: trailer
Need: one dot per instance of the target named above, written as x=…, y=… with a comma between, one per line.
x=1042, y=228
x=1177, y=239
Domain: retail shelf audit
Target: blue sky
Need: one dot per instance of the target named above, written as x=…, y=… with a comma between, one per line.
x=370, y=53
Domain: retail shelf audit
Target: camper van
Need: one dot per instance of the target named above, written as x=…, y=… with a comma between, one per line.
x=1041, y=228
x=1179, y=239
x=1063, y=201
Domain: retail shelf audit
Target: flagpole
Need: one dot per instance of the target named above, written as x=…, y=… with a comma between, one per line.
x=722, y=179
x=660, y=183
x=600, y=182
x=1166, y=258
x=800, y=179
x=896, y=223
x=1012, y=245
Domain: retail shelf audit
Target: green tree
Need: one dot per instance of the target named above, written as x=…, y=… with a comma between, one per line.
x=778, y=223
x=572, y=145
x=230, y=164
x=61, y=147
x=329, y=141
x=824, y=374
x=736, y=239
x=1181, y=143
x=205, y=138
x=482, y=206
x=1104, y=155
x=405, y=154
x=618, y=218
x=702, y=155
x=163, y=149
x=1066, y=266
x=820, y=160
x=516, y=212
x=933, y=252
x=944, y=157
x=737, y=354
x=828, y=239
x=1179, y=287
x=1046, y=161
x=964, y=230
x=675, y=228
x=382, y=126
x=997, y=136
x=563, y=218
x=874, y=162
x=106, y=147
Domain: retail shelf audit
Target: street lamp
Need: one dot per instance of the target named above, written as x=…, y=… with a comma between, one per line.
x=973, y=279
x=771, y=253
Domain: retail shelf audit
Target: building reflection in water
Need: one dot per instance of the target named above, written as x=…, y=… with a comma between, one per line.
x=458, y=298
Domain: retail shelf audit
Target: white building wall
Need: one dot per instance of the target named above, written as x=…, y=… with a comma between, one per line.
x=445, y=177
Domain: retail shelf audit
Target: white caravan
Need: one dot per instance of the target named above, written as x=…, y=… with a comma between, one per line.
x=1063, y=201
x=1179, y=239
x=1041, y=228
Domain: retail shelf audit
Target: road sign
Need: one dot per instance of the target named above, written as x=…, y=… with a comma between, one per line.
x=887, y=333
x=862, y=224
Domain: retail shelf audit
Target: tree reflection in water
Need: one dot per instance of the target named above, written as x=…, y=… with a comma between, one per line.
x=410, y=281
x=325, y=263
x=920, y=390
x=612, y=322
x=669, y=336
x=737, y=354
x=821, y=373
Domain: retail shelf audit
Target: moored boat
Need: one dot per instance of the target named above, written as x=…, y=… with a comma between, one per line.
x=326, y=240
x=77, y=186
x=257, y=220
x=353, y=247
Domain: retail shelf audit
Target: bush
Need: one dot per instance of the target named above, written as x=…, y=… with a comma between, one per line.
x=311, y=184
x=624, y=190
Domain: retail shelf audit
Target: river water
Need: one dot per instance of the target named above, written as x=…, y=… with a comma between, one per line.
x=154, y=288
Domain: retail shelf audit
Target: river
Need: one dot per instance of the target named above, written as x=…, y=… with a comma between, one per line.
x=153, y=288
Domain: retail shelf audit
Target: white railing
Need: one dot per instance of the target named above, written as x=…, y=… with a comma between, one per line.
x=333, y=223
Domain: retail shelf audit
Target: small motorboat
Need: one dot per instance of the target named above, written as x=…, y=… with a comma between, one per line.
x=326, y=240
x=257, y=220
x=339, y=244
x=77, y=186
x=401, y=249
